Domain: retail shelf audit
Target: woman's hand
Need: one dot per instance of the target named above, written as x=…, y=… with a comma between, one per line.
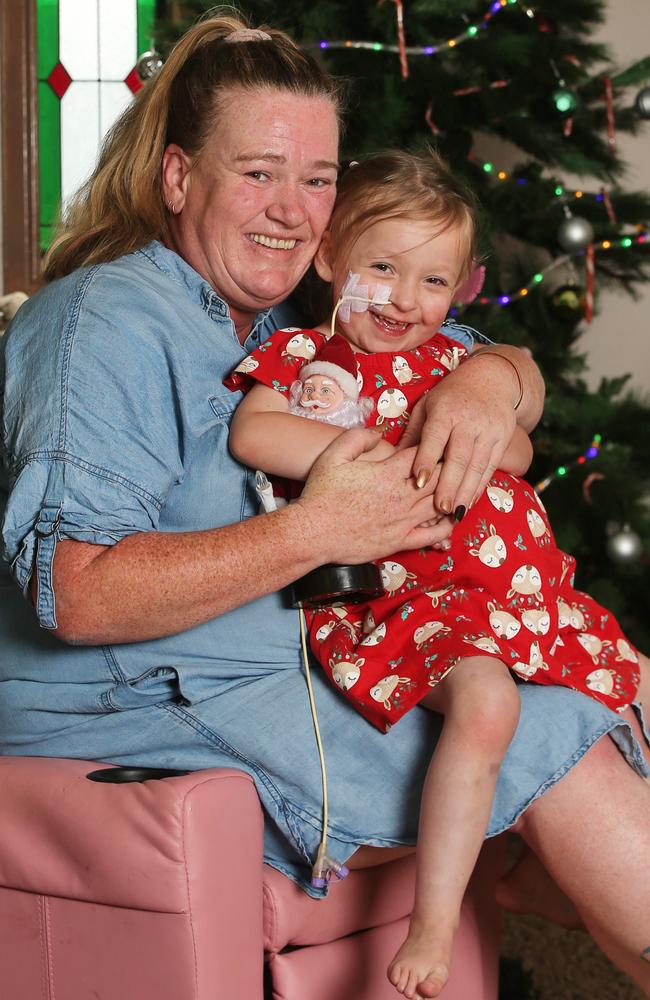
x=364, y=510
x=467, y=422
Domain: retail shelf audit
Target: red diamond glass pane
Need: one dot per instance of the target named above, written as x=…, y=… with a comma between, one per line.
x=59, y=80
x=133, y=81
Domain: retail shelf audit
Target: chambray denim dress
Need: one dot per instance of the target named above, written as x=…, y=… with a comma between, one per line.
x=115, y=421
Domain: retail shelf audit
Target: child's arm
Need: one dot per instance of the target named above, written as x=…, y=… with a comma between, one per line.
x=264, y=435
x=518, y=454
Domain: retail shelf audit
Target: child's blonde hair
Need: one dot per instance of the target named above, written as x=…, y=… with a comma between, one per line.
x=400, y=185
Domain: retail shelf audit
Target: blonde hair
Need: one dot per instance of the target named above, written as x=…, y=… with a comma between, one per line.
x=121, y=207
x=401, y=185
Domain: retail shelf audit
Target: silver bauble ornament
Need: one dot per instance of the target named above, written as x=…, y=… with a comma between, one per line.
x=624, y=546
x=642, y=103
x=575, y=234
x=148, y=65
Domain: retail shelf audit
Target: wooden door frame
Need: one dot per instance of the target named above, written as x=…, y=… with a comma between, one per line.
x=19, y=122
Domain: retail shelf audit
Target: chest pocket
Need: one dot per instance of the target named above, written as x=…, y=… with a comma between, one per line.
x=225, y=403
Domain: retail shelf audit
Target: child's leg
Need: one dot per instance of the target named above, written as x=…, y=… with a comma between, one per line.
x=480, y=702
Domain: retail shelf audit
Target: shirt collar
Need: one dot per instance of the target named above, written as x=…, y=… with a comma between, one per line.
x=172, y=264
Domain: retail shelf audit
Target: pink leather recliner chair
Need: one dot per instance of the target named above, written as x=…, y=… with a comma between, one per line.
x=157, y=891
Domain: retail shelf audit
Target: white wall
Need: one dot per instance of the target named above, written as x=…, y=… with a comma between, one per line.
x=618, y=340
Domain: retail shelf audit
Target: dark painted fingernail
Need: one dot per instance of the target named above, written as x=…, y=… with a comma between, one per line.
x=459, y=513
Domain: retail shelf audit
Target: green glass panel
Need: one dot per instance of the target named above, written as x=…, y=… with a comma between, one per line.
x=49, y=159
x=47, y=26
x=146, y=16
x=46, y=235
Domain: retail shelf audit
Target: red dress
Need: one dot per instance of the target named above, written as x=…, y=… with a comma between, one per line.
x=504, y=589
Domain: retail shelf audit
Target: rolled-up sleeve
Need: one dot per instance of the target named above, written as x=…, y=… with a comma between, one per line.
x=465, y=335
x=93, y=427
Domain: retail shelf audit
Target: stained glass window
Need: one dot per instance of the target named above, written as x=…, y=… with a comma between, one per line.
x=87, y=54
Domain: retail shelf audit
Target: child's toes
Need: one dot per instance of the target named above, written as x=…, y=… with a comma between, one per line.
x=434, y=982
x=398, y=976
x=412, y=986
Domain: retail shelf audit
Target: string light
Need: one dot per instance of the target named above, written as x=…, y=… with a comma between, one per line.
x=506, y=298
x=470, y=33
x=559, y=191
x=562, y=470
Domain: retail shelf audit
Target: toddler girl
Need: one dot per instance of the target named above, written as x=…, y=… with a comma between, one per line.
x=457, y=628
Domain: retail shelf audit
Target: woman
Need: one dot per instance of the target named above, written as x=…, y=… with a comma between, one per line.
x=164, y=640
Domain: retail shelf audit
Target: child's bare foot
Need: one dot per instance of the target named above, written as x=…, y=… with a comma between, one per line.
x=528, y=888
x=421, y=966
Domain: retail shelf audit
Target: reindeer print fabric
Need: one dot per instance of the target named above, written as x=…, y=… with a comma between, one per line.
x=503, y=589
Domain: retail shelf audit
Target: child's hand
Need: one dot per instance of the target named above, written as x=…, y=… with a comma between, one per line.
x=382, y=450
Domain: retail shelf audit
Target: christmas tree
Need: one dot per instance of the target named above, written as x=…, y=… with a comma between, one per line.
x=458, y=77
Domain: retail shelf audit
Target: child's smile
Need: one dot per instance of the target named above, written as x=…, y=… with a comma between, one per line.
x=389, y=327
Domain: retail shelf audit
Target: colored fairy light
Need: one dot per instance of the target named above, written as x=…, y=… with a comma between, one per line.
x=564, y=100
x=505, y=299
x=559, y=190
x=578, y=194
x=502, y=175
x=562, y=470
x=469, y=34
x=488, y=167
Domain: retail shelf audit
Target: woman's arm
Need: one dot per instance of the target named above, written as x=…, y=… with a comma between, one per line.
x=159, y=583
x=469, y=421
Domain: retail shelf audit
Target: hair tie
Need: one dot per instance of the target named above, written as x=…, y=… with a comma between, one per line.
x=248, y=35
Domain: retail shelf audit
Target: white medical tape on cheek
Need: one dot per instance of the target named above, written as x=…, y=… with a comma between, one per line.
x=381, y=296
x=357, y=298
